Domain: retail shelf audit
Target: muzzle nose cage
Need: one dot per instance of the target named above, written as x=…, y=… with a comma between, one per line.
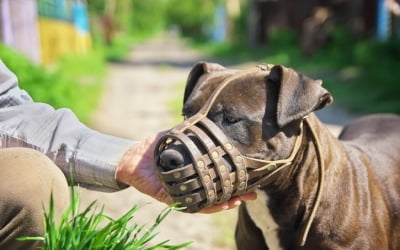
x=209, y=178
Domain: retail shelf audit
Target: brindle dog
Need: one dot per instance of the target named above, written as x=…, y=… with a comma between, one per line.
x=262, y=113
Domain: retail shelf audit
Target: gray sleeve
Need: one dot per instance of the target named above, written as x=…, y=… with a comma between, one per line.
x=91, y=156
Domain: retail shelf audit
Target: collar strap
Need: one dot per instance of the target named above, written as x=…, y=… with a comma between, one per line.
x=320, y=184
x=267, y=168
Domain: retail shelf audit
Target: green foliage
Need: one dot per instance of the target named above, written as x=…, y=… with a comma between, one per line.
x=361, y=74
x=91, y=229
x=96, y=7
x=148, y=16
x=75, y=83
x=176, y=102
x=120, y=47
x=132, y=21
x=192, y=17
x=240, y=25
x=377, y=84
x=138, y=18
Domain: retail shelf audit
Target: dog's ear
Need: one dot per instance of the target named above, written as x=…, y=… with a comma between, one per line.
x=299, y=95
x=197, y=71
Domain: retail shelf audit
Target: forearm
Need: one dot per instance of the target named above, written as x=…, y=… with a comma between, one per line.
x=91, y=157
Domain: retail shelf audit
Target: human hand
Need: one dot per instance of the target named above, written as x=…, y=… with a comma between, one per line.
x=136, y=169
x=232, y=203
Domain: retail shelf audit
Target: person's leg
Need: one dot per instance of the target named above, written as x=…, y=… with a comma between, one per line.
x=27, y=179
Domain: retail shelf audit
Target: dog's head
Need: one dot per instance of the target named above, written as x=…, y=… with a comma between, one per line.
x=232, y=115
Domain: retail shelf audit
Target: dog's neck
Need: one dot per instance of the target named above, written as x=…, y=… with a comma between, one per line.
x=304, y=169
x=294, y=188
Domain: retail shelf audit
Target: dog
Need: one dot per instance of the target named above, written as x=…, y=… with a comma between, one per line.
x=336, y=193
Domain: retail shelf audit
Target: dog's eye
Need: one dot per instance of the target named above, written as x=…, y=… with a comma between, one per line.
x=230, y=120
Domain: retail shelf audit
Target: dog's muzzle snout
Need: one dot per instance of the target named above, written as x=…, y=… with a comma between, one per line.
x=171, y=159
x=198, y=166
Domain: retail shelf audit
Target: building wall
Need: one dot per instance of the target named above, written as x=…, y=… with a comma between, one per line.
x=59, y=38
x=45, y=30
x=19, y=28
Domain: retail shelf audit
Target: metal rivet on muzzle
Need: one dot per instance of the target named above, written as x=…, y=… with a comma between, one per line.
x=177, y=175
x=214, y=154
x=272, y=167
x=182, y=188
x=222, y=169
x=200, y=164
x=227, y=183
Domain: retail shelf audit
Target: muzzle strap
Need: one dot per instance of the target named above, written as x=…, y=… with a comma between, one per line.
x=199, y=163
x=260, y=171
x=234, y=155
x=221, y=169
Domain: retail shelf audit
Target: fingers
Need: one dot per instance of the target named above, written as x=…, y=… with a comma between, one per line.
x=232, y=203
x=164, y=197
x=248, y=196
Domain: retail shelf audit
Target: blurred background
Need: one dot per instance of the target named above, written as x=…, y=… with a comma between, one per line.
x=59, y=46
x=121, y=66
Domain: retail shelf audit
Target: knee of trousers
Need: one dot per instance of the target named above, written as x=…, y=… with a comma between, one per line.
x=27, y=180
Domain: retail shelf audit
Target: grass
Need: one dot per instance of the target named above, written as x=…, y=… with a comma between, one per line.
x=91, y=229
x=81, y=80
x=176, y=102
x=75, y=82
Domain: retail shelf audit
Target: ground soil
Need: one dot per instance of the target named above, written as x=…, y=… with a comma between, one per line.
x=136, y=104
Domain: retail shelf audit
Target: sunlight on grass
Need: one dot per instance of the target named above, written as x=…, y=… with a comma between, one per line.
x=90, y=229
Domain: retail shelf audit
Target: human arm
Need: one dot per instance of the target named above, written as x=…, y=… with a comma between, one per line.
x=91, y=156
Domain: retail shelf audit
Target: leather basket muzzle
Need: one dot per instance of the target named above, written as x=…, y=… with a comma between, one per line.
x=216, y=171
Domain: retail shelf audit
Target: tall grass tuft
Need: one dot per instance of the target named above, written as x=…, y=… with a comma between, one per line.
x=91, y=229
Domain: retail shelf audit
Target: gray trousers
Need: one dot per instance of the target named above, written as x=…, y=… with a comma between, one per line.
x=27, y=178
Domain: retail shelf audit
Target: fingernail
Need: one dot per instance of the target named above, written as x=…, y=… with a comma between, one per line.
x=237, y=203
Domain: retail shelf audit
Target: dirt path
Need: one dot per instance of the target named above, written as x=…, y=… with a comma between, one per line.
x=135, y=105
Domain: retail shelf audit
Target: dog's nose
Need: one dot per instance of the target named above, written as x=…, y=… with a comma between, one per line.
x=171, y=159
